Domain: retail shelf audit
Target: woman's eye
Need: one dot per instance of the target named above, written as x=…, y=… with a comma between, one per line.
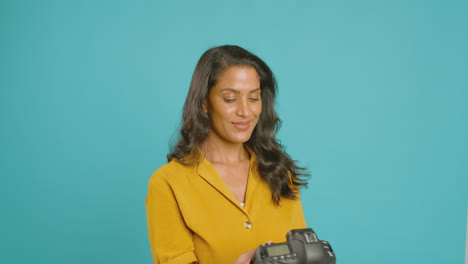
x=229, y=100
x=254, y=99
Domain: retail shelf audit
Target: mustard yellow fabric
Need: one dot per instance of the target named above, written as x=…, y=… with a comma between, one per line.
x=193, y=216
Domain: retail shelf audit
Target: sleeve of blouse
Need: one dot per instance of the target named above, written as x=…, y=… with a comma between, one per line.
x=170, y=239
x=299, y=218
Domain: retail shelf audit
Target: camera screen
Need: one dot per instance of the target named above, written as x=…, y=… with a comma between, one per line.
x=278, y=250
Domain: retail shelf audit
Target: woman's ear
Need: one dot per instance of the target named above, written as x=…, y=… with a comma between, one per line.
x=204, y=107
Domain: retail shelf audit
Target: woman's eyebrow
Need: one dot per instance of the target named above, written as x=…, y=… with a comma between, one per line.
x=237, y=91
x=255, y=90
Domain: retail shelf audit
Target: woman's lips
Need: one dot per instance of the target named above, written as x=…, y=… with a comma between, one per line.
x=241, y=125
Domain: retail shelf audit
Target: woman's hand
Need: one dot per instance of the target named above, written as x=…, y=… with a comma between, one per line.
x=245, y=257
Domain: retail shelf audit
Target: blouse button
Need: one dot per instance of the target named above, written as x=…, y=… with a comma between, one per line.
x=248, y=225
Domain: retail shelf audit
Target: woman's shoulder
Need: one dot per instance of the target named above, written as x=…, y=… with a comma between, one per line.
x=172, y=171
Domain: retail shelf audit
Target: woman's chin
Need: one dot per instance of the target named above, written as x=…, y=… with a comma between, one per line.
x=242, y=140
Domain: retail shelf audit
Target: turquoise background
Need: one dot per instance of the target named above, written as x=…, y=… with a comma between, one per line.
x=372, y=94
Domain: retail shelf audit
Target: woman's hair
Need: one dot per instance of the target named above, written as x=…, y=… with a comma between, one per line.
x=274, y=165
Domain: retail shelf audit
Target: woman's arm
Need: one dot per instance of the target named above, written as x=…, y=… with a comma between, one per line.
x=170, y=239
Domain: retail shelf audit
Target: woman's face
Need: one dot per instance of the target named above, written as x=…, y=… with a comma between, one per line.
x=234, y=104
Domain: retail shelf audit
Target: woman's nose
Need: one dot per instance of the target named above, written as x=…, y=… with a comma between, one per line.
x=243, y=108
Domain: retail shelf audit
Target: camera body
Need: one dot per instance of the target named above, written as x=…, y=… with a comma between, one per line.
x=301, y=247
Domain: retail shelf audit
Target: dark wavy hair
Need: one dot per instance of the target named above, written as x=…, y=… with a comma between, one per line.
x=274, y=165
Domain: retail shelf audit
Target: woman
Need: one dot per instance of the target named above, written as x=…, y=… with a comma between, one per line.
x=228, y=185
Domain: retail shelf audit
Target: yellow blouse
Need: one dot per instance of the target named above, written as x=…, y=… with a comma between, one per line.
x=193, y=216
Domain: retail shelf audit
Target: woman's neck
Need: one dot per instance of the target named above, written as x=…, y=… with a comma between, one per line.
x=217, y=151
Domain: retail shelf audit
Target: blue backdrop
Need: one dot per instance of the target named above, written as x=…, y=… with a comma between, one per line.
x=372, y=97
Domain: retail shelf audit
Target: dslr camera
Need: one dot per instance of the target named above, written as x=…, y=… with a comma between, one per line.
x=302, y=247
